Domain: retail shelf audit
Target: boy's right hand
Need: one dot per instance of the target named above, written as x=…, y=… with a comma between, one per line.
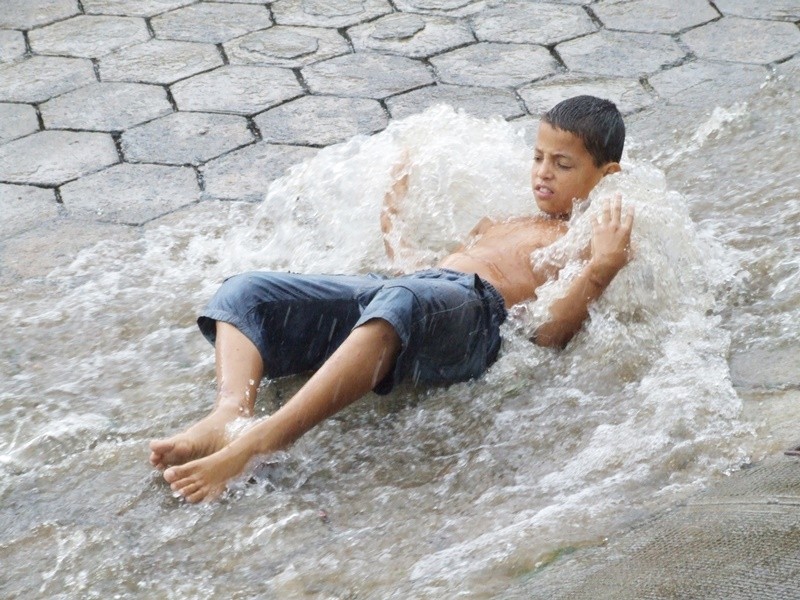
x=611, y=240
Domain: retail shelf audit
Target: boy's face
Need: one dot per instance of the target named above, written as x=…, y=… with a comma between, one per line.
x=563, y=171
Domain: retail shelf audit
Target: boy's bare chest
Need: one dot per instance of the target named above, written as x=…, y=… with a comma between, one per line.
x=520, y=236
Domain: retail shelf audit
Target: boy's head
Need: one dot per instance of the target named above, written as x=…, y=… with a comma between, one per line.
x=579, y=142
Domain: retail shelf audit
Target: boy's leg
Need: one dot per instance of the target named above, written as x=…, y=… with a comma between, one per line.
x=239, y=369
x=363, y=359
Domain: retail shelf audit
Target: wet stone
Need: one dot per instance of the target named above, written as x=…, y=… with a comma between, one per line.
x=703, y=83
x=622, y=54
x=334, y=120
x=53, y=157
x=214, y=23
x=411, y=35
x=134, y=8
x=328, y=13
x=289, y=47
x=131, y=194
x=24, y=207
x=627, y=94
x=453, y=8
x=193, y=138
x=12, y=45
x=654, y=16
x=243, y=90
x=366, y=75
x=766, y=368
x=88, y=36
x=524, y=22
x=494, y=65
x=744, y=40
x=17, y=120
x=785, y=10
x=41, y=77
x=476, y=101
x=247, y=173
x=159, y=61
x=27, y=14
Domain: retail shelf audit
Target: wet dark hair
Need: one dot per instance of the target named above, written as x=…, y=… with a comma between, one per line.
x=595, y=121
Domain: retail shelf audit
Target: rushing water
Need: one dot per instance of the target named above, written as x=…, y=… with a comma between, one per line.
x=425, y=493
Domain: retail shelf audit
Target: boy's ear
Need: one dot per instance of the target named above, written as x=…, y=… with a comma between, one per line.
x=612, y=167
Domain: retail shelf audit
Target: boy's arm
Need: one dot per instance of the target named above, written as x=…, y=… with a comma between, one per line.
x=610, y=251
x=390, y=208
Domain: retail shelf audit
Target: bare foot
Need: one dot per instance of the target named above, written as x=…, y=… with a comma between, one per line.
x=206, y=478
x=201, y=439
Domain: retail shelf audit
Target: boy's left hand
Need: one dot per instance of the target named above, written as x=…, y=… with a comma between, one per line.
x=611, y=240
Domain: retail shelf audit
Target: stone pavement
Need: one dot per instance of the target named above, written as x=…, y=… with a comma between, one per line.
x=114, y=113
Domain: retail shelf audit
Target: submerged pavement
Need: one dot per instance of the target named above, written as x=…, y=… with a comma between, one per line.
x=115, y=113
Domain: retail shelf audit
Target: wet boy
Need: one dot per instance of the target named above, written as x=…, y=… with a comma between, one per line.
x=437, y=326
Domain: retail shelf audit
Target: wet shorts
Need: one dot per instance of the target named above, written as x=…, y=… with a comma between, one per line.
x=448, y=322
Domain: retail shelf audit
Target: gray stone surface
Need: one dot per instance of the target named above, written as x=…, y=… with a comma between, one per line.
x=744, y=40
x=41, y=77
x=136, y=8
x=283, y=46
x=620, y=53
x=525, y=22
x=214, y=23
x=243, y=90
x=328, y=13
x=17, y=120
x=247, y=173
x=366, y=75
x=193, y=138
x=24, y=207
x=53, y=157
x=702, y=83
x=334, y=120
x=88, y=36
x=451, y=8
x=477, y=101
x=411, y=35
x=766, y=368
x=787, y=10
x=27, y=14
x=494, y=65
x=628, y=94
x=106, y=107
x=131, y=194
x=663, y=16
x=12, y=45
x=159, y=61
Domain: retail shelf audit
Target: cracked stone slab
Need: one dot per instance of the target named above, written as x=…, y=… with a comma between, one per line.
x=16, y=121
x=185, y=138
x=627, y=93
x=789, y=73
x=412, y=35
x=335, y=120
x=524, y=22
x=88, y=36
x=477, y=101
x=243, y=90
x=766, y=367
x=785, y=10
x=24, y=207
x=41, y=77
x=247, y=173
x=159, y=61
x=328, y=13
x=283, y=46
x=489, y=64
x=702, y=83
x=616, y=53
x=452, y=8
x=366, y=75
x=131, y=194
x=53, y=157
x=213, y=23
x=106, y=107
x=654, y=16
x=736, y=39
x=27, y=14
x=134, y=8
x=12, y=45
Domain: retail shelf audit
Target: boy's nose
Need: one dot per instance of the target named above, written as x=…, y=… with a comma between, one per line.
x=544, y=170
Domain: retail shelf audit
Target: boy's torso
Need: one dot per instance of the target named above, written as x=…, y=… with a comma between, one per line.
x=500, y=253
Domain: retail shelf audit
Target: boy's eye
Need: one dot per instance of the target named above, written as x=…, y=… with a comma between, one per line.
x=537, y=159
x=563, y=166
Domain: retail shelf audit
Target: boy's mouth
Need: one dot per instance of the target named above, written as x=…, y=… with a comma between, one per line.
x=543, y=191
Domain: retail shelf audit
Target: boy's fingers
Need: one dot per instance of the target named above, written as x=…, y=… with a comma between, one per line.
x=627, y=220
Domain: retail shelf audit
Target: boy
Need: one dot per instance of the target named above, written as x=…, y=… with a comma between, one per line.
x=436, y=326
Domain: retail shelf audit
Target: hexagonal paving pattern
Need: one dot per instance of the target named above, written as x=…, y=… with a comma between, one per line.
x=106, y=107
x=213, y=23
x=494, y=65
x=159, y=61
x=27, y=14
x=476, y=101
x=135, y=8
x=24, y=207
x=664, y=16
x=185, y=138
x=12, y=45
x=328, y=13
x=283, y=46
x=243, y=90
x=627, y=94
x=41, y=77
x=88, y=36
x=17, y=120
x=411, y=35
x=744, y=40
x=787, y=10
x=524, y=22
